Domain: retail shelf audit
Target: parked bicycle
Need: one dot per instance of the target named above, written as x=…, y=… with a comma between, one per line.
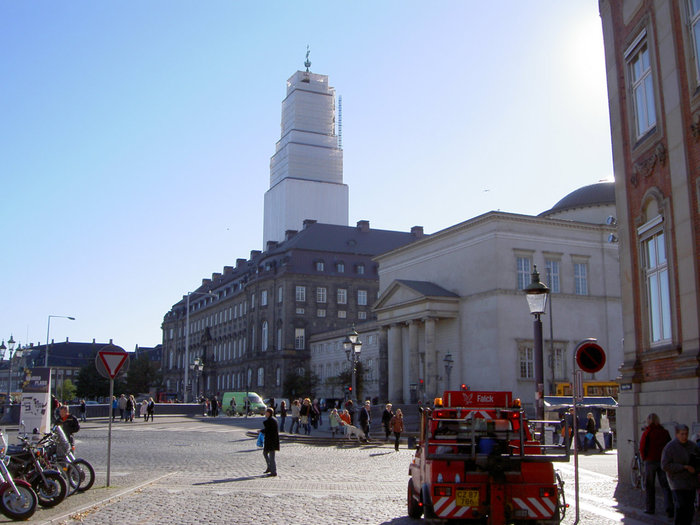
x=637, y=468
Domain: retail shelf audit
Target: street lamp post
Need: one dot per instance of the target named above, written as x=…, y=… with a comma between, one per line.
x=48, y=329
x=8, y=401
x=449, y=363
x=537, y=293
x=187, y=336
x=197, y=366
x=353, y=348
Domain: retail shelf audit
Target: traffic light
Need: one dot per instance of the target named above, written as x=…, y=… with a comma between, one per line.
x=350, y=390
x=464, y=387
x=421, y=382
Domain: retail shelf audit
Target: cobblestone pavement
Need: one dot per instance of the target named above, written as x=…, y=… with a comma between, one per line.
x=183, y=471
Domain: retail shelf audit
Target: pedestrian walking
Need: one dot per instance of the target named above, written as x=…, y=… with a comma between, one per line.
x=296, y=408
x=316, y=414
x=396, y=426
x=679, y=460
x=130, y=409
x=335, y=421
x=122, y=408
x=150, y=409
x=345, y=418
x=83, y=410
x=115, y=407
x=651, y=445
x=365, y=418
x=350, y=407
x=144, y=409
x=232, y=404
x=272, y=442
x=283, y=414
x=215, y=406
x=305, y=416
x=386, y=420
x=591, y=431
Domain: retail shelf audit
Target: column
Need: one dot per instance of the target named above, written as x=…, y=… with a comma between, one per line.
x=395, y=364
x=431, y=371
x=414, y=368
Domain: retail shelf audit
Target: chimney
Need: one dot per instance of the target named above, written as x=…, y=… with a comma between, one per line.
x=240, y=263
x=417, y=232
x=206, y=281
x=228, y=270
x=289, y=234
x=66, y=339
x=215, y=276
x=110, y=340
x=93, y=340
x=363, y=226
x=254, y=253
x=271, y=245
x=309, y=222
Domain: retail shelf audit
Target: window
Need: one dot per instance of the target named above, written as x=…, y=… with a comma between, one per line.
x=527, y=363
x=279, y=338
x=301, y=293
x=342, y=296
x=695, y=25
x=340, y=267
x=360, y=268
x=250, y=377
x=263, y=339
x=320, y=265
x=279, y=294
x=362, y=315
x=321, y=294
x=299, y=311
x=362, y=297
x=263, y=298
x=658, y=296
x=523, y=265
x=580, y=278
x=252, y=301
x=342, y=314
x=278, y=376
x=299, y=339
x=261, y=376
x=321, y=312
x=642, y=86
x=551, y=269
x=558, y=363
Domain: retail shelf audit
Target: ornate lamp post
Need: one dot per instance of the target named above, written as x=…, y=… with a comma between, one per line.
x=8, y=401
x=537, y=293
x=197, y=366
x=449, y=363
x=187, y=335
x=353, y=348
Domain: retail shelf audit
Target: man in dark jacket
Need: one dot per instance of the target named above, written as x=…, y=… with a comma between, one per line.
x=386, y=419
x=272, y=442
x=651, y=445
x=68, y=422
x=676, y=460
x=365, y=418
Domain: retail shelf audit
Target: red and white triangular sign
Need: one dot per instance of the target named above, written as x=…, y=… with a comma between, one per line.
x=113, y=361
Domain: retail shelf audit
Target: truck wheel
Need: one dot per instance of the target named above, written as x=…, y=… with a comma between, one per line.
x=414, y=509
x=427, y=502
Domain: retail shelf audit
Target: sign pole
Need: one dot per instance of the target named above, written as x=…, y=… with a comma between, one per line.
x=109, y=432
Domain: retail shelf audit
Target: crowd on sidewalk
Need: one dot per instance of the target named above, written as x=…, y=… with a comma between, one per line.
x=128, y=408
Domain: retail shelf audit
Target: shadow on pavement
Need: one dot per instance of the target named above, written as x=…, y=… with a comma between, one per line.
x=380, y=454
x=230, y=480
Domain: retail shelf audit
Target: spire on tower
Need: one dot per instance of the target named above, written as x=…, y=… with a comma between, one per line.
x=307, y=62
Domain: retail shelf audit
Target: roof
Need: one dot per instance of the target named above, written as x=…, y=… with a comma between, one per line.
x=427, y=288
x=598, y=194
x=344, y=239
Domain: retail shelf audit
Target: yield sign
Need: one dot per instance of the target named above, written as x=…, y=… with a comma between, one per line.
x=110, y=360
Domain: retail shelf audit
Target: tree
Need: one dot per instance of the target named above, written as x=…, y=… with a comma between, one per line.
x=298, y=384
x=91, y=385
x=142, y=375
x=66, y=391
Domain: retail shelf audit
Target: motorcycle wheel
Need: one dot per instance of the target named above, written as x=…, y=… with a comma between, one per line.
x=19, y=505
x=87, y=474
x=72, y=477
x=52, y=492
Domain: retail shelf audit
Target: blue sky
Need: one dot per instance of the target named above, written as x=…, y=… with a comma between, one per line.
x=135, y=137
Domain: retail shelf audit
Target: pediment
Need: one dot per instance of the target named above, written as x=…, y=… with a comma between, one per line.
x=412, y=299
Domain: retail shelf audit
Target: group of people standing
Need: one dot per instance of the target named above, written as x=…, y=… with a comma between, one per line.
x=129, y=408
x=675, y=462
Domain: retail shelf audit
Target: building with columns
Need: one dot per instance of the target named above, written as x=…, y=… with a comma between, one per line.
x=306, y=171
x=460, y=292
x=652, y=56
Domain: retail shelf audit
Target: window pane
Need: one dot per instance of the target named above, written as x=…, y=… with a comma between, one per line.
x=695, y=6
x=654, y=312
x=661, y=248
x=650, y=109
x=665, y=305
x=651, y=253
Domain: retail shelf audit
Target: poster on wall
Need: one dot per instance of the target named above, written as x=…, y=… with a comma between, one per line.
x=36, y=401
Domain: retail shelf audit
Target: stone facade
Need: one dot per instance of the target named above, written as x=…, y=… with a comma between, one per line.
x=459, y=292
x=653, y=74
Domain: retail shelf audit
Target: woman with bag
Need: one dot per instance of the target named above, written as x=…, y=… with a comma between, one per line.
x=335, y=421
x=271, y=444
x=305, y=416
x=396, y=426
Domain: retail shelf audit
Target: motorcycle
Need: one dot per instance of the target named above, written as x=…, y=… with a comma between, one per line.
x=24, y=463
x=59, y=455
x=18, y=500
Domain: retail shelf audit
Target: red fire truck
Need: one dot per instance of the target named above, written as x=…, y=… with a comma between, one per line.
x=477, y=461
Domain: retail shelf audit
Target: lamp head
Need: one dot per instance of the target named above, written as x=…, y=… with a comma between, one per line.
x=537, y=293
x=11, y=343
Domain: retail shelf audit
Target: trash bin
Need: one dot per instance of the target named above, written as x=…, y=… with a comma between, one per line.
x=411, y=442
x=608, y=438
